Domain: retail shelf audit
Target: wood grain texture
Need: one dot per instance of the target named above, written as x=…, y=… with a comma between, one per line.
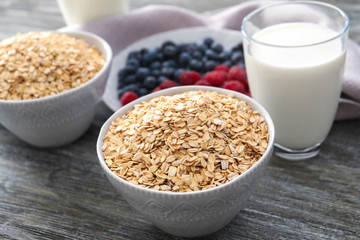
x=61, y=193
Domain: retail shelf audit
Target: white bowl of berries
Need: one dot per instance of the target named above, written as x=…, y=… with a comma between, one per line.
x=189, y=56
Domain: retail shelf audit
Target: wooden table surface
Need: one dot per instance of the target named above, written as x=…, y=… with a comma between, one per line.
x=62, y=193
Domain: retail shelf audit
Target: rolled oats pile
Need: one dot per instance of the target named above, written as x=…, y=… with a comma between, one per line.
x=187, y=142
x=40, y=64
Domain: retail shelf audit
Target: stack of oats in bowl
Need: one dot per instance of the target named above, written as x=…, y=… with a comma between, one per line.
x=51, y=83
x=187, y=157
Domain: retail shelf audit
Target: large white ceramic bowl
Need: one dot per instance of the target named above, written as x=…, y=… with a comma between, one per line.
x=194, y=213
x=62, y=118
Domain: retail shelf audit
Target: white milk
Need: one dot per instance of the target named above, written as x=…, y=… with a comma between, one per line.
x=299, y=86
x=81, y=11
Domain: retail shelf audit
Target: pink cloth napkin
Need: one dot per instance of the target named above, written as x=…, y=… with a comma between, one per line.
x=121, y=31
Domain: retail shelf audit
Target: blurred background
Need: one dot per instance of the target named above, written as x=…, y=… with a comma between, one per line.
x=37, y=15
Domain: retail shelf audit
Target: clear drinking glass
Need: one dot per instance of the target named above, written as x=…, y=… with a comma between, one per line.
x=82, y=11
x=294, y=55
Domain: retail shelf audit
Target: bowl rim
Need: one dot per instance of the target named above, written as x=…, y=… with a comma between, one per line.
x=178, y=90
x=78, y=35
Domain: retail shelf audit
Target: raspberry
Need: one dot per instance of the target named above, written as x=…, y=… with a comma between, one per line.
x=158, y=88
x=246, y=84
x=202, y=82
x=237, y=73
x=235, y=86
x=128, y=97
x=222, y=68
x=189, y=77
x=167, y=84
x=216, y=78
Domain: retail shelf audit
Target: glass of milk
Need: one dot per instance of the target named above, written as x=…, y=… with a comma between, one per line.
x=82, y=11
x=294, y=55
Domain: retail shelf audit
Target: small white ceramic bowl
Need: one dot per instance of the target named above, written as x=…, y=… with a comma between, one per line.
x=62, y=118
x=196, y=213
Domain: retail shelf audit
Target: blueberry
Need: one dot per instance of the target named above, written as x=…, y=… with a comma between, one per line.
x=167, y=72
x=134, y=54
x=155, y=72
x=167, y=43
x=217, y=47
x=129, y=79
x=237, y=57
x=129, y=69
x=149, y=57
x=211, y=54
x=196, y=65
x=142, y=92
x=184, y=59
x=120, y=85
x=191, y=47
x=131, y=87
x=139, y=85
x=196, y=54
x=221, y=57
x=177, y=73
x=210, y=65
x=143, y=51
x=238, y=47
x=241, y=65
x=121, y=74
x=208, y=41
x=134, y=62
x=169, y=51
x=182, y=47
x=120, y=92
x=152, y=53
x=225, y=55
x=160, y=56
x=155, y=65
x=227, y=63
x=145, y=61
x=201, y=48
x=142, y=73
x=169, y=63
x=150, y=82
x=241, y=47
x=161, y=79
